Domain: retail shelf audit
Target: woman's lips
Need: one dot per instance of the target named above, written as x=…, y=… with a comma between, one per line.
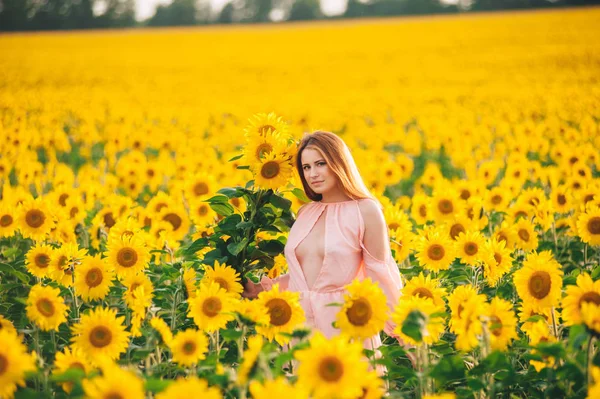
x=317, y=183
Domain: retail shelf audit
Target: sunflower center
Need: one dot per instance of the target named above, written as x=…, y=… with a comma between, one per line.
x=502, y=237
x=222, y=282
x=109, y=220
x=269, y=170
x=127, y=257
x=160, y=206
x=471, y=248
x=540, y=284
x=62, y=200
x=331, y=369
x=189, y=347
x=465, y=194
x=436, y=252
x=94, y=277
x=264, y=129
x=590, y=297
x=456, y=229
x=263, y=149
x=3, y=364
x=423, y=211
x=360, y=312
x=496, y=326
x=6, y=220
x=459, y=309
x=200, y=189
x=174, y=219
x=45, y=307
x=562, y=199
x=520, y=214
x=35, y=218
x=73, y=212
x=423, y=293
x=393, y=226
x=523, y=234
x=235, y=202
x=202, y=210
x=593, y=225
x=445, y=206
x=100, y=337
x=496, y=199
x=42, y=261
x=77, y=365
x=113, y=395
x=280, y=311
x=498, y=257
x=212, y=306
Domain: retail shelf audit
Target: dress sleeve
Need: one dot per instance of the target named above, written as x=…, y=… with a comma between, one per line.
x=386, y=274
x=283, y=281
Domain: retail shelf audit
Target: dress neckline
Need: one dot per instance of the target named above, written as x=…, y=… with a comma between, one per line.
x=337, y=202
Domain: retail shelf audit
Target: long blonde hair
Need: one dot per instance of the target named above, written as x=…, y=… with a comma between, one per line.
x=340, y=161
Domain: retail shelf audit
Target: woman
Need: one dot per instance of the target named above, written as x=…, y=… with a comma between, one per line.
x=339, y=236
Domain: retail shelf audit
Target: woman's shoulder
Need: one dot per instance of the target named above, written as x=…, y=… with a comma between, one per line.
x=369, y=207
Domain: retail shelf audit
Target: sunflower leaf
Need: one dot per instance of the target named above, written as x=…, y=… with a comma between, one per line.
x=236, y=158
x=413, y=325
x=236, y=247
x=298, y=193
x=280, y=202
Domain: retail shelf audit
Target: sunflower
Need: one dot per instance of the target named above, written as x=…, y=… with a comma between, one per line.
x=562, y=199
x=127, y=256
x=178, y=218
x=262, y=124
x=34, y=219
x=425, y=287
x=201, y=213
x=541, y=334
x=125, y=229
x=497, y=199
x=459, y=224
x=255, y=345
x=507, y=233
x=63, y=231
x=433, y=325
x=445, y=204
x=71, y=359
x=132, y=282
x=100, y=333
x=46, y=308
x=420, y=209
x=499, y=263
x=285, y=313
x=590, y=314
x=470, y=248
x=189, y=347
x=38, y=260
x=189, y=280
x=115, y=383
x=63, y=261
x=8, y=220
x=588, y=226
x=332, y=368
x=586, y=290
x=225, y=276
x=7, y=325
x=440, y=396
x=279, y=267
x=435, y=252
x=364, y=311
x=253, y=311
x=502, y=323
x=259, y=146
x=527, y=238
x=467, y=322
x=539, y=281
x=400, y=240
x=527, y=312
x=277, y=388
x=212, y=307
x=273, y=171
x=182, y=388
x=93, y=278
x=14, y=362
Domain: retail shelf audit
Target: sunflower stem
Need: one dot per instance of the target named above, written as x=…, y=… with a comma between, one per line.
x=585, y=248
x=554, y=325
x=590, y=358
x=555, y=240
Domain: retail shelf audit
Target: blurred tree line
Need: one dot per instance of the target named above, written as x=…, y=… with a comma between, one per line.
x=18, y=15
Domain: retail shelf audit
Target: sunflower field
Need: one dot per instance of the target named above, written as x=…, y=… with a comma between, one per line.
x=146, y=174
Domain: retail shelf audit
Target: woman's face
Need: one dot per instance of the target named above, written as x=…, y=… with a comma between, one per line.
x=316, y=172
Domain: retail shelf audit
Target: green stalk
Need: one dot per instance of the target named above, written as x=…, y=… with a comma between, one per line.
x=590, y=358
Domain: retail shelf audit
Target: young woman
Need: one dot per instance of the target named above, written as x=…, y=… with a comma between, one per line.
x=339, y=236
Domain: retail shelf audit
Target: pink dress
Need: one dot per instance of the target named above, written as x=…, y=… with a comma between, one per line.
x=345, y=258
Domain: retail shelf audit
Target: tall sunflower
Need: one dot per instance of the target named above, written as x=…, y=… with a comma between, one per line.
x=183, y=388
x=562, y=199
x=527, y=237
x=8, y=220
x=225, y=276
x=63, y=262
x=255, y=345
x=588, y=226
x=35, y=219
x=273, y=171
x=132, y=282
x=115, y=383
x=457, y=300
x=468, y=325
x=100, y=333
x=445, y=204
x=7, y=325
x=212, y=307
x=590, y=314
x=262, y=124
x=435, y=252
x=400, y=240
x=539, y=281
x=93, y=278
x=189, y=347
x=165, y=332
x=14, y=362
x=541, y=334
x=285, y=313
x=500, y=262
x=502, y=323
x=364, y=311
x=434, y=323
x=259, y=146
x=497, y=199
x=178, y=218
x=37, y=260
x=507, y=233
x=277, y=388
x=470, y=248
x=70, y=359
x=586, y=290
x=526, y=316
x=425, y=287
x=332, y=368
x=420, y=209
x=459, y=224
x=46, y=308
x=127, y=256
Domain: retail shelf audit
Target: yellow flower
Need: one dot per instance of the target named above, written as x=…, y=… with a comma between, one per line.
x=433, y=324
x=590, y=313
x=277, y=388
x=440, y=396
x=470, y=248
x=63, y=262
x=127, y=256
x=273, y=171
x=526, y=312
x=508, y=234
x=586, y=290
x=527, y=238
x=15, y=362
x=502, y=323
x=445, y=204
x=178, y=219
x=212, y=307
x=225, y=276
x=201, y=213
x=594, y=390
x=364, y=311
x=459, y=224
x=332, y=368
x=285, y=313
x=100, y=333
x=588, y=226
x=420, y=209
x=7, y=325
x=253, y=311
x=93, y=278
x=189, y=347
x=539, y=281
x=457, y=300
x=262, y=124
x=468, y=324
x=133, y=282
x=400, y=240
x=38, y=260
x=499, y=263
x=114, y=383
x=255, y=344
x=562, y=199
x=8, y=220
x=425, y=287
x=159, y=325
x=497, y=199
x=540, y=333
x=183, y=388
x=34, y=219
x=259, y=146
x=46, y=308
x=124, y=229
x=189, y=279
x=435, y=252
x=70, y=359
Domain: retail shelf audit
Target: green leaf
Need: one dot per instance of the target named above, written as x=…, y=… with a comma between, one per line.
x=271, y=247
x=449, y=368
x=236, y=247
x=299, y=193
x=280, y=202
x=223, y=209
x=243, y=167
x=230, y=334
x=236, y=158
x=577, y=335
x=24, y=278
x=413, y=325
x=155, y=385
x=218, y=199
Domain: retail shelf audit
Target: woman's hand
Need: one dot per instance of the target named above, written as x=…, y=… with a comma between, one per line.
x=251, y=290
